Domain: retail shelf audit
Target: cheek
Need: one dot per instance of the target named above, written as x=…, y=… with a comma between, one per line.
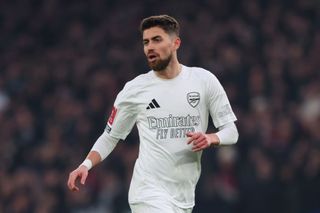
x=166, y=50
x=145, y=50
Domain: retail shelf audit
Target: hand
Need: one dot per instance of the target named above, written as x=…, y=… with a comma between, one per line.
x=80, y=172
x=201, y=140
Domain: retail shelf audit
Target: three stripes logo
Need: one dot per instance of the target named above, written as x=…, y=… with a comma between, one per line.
x=153, y=104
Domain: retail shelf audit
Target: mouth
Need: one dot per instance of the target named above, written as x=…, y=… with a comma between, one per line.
x=152, y=57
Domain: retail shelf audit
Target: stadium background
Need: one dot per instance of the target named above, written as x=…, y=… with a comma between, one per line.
x=63, y=62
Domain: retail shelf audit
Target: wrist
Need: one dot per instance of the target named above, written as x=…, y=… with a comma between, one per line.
x=87, y=163
x=214, y=139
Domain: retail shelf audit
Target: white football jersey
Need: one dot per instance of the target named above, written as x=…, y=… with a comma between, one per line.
x=164, y=111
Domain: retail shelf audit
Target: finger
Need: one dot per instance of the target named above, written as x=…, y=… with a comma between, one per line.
x=84, y=177
x=200, y=144
x=189, y=134
x=75, y=189
x=71, y=181
x=189, y=140
x=199, y=148
x=199, y=139
x=69, y=185
x=194, y=137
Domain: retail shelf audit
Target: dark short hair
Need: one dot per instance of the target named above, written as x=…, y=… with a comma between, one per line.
x=167, y=23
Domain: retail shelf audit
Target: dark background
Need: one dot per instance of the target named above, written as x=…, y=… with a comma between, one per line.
x=63, y=62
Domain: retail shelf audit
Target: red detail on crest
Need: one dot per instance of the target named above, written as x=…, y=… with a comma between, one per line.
x=112, y=116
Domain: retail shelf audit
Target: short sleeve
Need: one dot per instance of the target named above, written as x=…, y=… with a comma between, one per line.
x=219, y=106
x=123, y=115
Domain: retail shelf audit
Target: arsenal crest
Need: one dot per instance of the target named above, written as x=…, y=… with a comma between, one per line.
x=193, y=98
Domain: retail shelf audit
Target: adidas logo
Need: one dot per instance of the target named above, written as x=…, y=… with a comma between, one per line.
x=153, y=104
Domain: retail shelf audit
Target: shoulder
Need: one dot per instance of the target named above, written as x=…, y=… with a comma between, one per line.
x=136, y=85
x=139, y=81
x=201, y=74
x=207, y=79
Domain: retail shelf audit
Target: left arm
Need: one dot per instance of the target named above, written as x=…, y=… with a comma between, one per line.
x=227, y=135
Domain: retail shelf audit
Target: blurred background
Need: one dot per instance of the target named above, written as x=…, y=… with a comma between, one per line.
x=63, y=62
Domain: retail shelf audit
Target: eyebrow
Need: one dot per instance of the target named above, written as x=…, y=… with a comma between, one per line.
x=153, y=38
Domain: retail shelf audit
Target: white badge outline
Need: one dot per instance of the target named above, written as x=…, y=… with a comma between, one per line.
x=196, y=98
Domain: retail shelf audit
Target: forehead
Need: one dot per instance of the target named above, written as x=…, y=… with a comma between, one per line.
x=154, y=31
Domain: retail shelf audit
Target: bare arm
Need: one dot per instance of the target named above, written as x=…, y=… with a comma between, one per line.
x=100, y=150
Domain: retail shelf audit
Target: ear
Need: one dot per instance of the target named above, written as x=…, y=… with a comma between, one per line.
x=177, y=42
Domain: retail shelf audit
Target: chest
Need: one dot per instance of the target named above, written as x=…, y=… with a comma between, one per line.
x=172, y=99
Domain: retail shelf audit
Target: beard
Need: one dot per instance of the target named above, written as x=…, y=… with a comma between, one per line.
x=161, y=64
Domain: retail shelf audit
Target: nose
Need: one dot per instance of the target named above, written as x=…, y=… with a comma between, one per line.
x=149, y=48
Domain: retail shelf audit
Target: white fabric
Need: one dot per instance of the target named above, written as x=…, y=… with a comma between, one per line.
x=228, y=134
x=157, y=206
x=104, y=145
x=87, y=163
x=166, y=166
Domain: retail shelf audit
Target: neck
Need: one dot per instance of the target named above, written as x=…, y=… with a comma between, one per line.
x=172, y=70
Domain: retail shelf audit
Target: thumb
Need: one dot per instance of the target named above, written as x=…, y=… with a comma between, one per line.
x=190, y=134
x=84, y=177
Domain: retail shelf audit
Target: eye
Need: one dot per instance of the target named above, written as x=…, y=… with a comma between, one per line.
x=145, y=42
x=157, y=39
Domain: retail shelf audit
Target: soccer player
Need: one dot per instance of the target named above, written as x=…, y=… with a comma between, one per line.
x=170, y=105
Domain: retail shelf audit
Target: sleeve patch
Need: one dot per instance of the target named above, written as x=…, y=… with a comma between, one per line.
x=112, y=116
x=225, y=110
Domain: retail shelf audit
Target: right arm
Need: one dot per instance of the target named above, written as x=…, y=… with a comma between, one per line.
x=100, y=150
x=120, y=123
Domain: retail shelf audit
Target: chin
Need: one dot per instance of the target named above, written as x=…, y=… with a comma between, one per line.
x=160, y=65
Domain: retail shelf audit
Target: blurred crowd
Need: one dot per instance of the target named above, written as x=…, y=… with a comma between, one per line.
x=63, y=62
